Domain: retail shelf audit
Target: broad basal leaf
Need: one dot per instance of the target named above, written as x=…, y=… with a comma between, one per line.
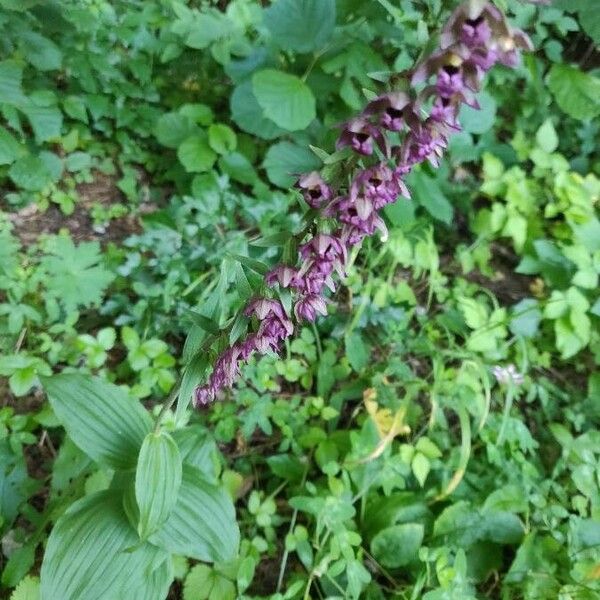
x=157, y=481
x=248, y=115
x=100, y=418
x=90, y=553
x=202, y=524
x=285, y=99
x=301, y=25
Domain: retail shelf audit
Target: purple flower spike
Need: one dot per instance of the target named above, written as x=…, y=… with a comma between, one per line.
x=476, y=37
x=307, y=308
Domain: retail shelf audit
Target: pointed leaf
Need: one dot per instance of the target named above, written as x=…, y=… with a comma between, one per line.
x=157, y=481
x=89, y=553
x=102, y=420
x=202, y=524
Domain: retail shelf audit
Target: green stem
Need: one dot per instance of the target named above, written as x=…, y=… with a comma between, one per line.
x=510, y=394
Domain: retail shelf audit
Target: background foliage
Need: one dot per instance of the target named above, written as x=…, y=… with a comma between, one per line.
x=143, y=146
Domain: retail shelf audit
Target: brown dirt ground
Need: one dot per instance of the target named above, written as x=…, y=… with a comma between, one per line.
x=29, y=223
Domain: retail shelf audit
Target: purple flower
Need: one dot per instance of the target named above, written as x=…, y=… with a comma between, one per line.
x=475, y=32
x=393, y=110
x=359, y=134
x=203, y=396
x=314, y=189
x=269, y=311
x=307, y=308
x=281, y=274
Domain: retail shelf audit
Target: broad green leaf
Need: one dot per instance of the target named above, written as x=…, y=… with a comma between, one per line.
x=357, y=351
x=526, y=319
x=479, y=120
x=30, y=173
x=238, y=167
x=546, y=137
x=46, y=119
x=202, y=524
x=10, y=149
x=221, y=138
x=41, y=52
x=301, y=25
x=75, y=107
x=107, y=424
x=11, y=74
x=285, y=161
x=284, y=98
x=577, y=93
x=157, y=481
x=398, y=545
x=420, y=467
x=90, y=553
x=196, y=155
x=427, y=192
x=249, y=116
x=198, y=449
x=173, y=128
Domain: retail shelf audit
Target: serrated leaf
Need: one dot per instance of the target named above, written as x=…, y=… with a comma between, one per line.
x=157, y=481
x=30, y=173
x=202, y=524
x=89, y=553
x=577, y=93
x=285, y=99
x=75, y=274
x=102, y=420
x=28, y=589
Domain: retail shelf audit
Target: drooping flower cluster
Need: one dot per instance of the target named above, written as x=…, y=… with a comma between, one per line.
x=395, y=132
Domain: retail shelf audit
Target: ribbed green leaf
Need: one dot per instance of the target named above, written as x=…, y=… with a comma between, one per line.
x=100, y=418
x=89, y=553
x=157, y=481
x=202, y=524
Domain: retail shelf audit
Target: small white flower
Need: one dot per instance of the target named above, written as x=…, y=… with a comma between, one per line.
x=508, y=374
